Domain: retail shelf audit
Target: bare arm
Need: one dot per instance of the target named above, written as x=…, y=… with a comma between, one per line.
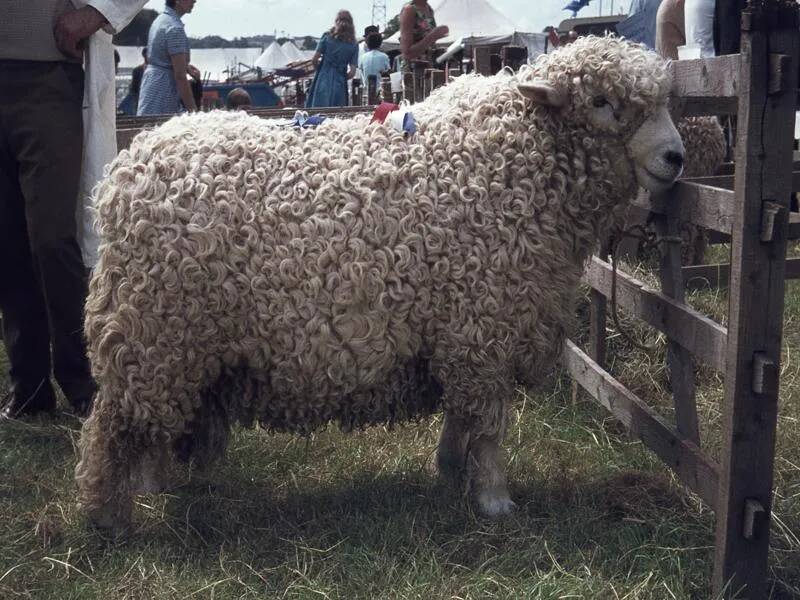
x=194, y=72
x=317, y=59
x=409, y=49
x=180, y=63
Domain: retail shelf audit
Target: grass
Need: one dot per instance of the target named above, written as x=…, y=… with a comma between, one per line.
x=361, y=515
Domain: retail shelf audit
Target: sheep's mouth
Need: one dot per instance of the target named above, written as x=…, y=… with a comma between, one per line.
x=660, y=178
x=654, y=182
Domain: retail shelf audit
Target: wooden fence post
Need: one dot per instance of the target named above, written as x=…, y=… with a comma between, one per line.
x=408, y=86
x=386, y=89
x=372, y=90
x=598, y=311
x=418, y=68
x=356, y=99
x=767, y=86
x=426, y=83
x=680, y=363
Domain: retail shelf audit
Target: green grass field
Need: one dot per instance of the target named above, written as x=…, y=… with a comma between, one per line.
x=362, y=516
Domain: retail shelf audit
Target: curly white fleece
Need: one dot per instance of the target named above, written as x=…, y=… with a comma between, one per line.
x=297, y=277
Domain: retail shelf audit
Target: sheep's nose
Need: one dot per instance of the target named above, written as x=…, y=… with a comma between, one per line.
x=674, y=158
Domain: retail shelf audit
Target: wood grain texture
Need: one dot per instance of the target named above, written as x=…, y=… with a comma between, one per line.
x=763, y=174
x=694, y=331
x=695, y=469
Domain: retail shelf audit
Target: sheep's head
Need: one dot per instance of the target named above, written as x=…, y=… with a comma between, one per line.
x=613, y=89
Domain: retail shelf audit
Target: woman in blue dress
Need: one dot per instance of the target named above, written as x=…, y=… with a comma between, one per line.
x=165, y=89
x=336, y=60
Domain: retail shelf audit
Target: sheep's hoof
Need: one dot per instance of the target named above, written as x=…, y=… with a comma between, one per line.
x=495, y=502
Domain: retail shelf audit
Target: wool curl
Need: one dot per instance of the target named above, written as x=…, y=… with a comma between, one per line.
x=292, y=278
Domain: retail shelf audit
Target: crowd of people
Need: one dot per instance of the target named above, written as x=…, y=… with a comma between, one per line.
x=163, y=83
x=338, y=57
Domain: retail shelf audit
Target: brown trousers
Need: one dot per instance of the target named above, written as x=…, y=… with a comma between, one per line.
x=42, y=277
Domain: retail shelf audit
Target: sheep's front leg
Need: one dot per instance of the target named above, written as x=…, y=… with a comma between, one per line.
x=475, y=404
x=487, y=476
x=103, y=473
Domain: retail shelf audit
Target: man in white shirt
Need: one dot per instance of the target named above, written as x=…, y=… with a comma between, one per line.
x=373, y=62
x=49, y=106
x=362, y=49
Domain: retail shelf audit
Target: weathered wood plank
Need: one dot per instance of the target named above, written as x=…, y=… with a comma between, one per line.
x=729, y=168
x=763, y=173
x=718, y=181
x=598, y=314
x=726, y=181
x=693, y=467
x=680, y=363
x=703, y=205
x=706, y=77
x=705, y=86
x=702, y=106
x=691, y=329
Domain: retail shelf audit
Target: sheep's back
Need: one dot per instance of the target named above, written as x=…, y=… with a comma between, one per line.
x=293, y=251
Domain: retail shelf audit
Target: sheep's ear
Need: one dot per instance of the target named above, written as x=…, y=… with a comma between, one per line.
x=541, y=92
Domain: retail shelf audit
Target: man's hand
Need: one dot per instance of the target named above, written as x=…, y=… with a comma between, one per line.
x=74, y=27
x=194, y=72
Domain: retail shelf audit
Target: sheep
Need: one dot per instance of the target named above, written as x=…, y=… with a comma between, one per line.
x=255, y=274
x=704, y=142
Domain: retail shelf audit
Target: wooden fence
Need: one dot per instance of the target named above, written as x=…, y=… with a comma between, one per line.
x=752, y=207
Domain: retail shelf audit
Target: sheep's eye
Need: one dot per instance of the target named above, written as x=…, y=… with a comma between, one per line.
x=599, y=101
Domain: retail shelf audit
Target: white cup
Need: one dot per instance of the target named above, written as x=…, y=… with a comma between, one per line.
x=688, y=52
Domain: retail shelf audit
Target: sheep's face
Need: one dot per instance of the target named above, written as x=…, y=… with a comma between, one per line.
x=617, y=91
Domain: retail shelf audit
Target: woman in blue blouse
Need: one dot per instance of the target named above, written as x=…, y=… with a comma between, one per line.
x=164, y=84
x=336, y=60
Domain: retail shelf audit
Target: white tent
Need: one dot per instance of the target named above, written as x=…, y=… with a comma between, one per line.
x=292, y=52
x=216, y=63
x=480, y=23
x=272, y=58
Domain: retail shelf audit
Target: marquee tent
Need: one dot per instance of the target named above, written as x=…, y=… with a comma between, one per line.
x=273, y=58
x=481, y=24
x=292, y=52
